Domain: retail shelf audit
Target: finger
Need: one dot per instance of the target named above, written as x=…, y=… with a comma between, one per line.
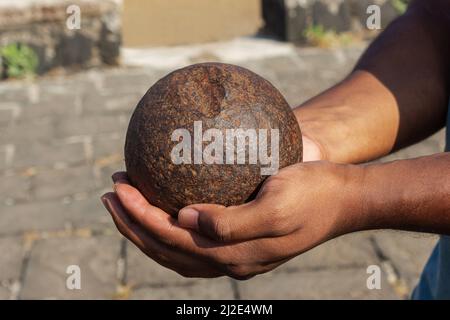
x=261, y=251
x=188, y=216
x=161, y=225
x=245, y=272
x=164, y=228
x=256, y=219
x=139, y=208
x=126, y=227
x=120, y=176
x=182, y=264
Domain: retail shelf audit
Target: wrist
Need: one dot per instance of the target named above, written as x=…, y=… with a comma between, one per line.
x=377, y=197
x=355, y=213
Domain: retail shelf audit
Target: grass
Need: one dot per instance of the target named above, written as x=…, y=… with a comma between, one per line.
x=19, y=61
x=317, y=35
x=400, y=5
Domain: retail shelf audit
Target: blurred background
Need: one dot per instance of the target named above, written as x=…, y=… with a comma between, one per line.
x=71, y=74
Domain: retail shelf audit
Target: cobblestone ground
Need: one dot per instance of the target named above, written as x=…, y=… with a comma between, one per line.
x=62, y=137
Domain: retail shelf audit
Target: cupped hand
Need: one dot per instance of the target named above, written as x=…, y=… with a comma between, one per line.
x=300, y=207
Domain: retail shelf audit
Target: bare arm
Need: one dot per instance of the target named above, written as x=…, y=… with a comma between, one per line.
x=396, y=95
x=412, y=195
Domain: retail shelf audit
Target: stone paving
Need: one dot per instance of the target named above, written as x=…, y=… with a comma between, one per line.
x=62, y=137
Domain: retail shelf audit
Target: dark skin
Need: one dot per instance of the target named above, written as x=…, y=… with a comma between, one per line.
x=396, y=95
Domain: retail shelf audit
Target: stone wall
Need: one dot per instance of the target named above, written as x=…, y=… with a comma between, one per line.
x=288, y=19
x=42, y=26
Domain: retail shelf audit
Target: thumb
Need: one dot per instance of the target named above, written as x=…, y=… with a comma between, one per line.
x=200, y=217
x=236, y=223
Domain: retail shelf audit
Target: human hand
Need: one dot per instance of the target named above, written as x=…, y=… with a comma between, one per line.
x=312, y=151
x=297, y=209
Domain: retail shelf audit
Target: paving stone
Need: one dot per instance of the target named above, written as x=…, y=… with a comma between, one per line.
x=331, y=59
x=152, y=281
x=108, y=156
x=144, y=271
x=109, y=145
x=77, y=83
x=28, y=132
x=14, y=92
x=106, y=172
x=67, y=127
x=408, y=252
x=6, y=156
x=46, y=273
x=89, y=212
x=4, y=293
x=49, y=154
x=11, y=259
x=198, y=290
x=57, y=183
x=9, y=112
x=295, y=91
x=429, y=146
x=59, y=104
x=14, y=188
x=323, y=284
x=286, y=74
x=110, y=102
x=349, y=251
x=297, y=78
x=124, y=103
x=263, y=69
x=307, y=76
x=128, y=80
x=86, y=211
x=32, y=216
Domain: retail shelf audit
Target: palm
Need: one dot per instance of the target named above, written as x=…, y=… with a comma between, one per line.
x=311, y=150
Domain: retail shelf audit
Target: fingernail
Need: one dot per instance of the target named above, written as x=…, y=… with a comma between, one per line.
x=119, y=176
x=188, y=218
x=105, y=202
x=114, y=177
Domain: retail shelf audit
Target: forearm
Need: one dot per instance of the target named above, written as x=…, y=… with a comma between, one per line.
x=354, y=121
x=396, y=95
x=411, y=195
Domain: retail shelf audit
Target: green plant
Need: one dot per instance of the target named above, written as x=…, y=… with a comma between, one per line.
x=400, y=5
x=18, y=60
x=317, y=35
